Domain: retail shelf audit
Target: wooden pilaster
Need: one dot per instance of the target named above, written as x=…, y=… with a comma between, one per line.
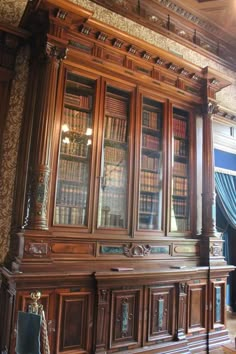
x=40, y=169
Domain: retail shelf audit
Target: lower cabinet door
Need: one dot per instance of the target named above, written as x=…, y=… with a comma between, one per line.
x=74, y=323
x=197, y=301
x=126, y=319
x=160, y=313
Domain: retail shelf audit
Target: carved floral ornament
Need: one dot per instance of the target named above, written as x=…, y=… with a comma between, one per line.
x=137, y=250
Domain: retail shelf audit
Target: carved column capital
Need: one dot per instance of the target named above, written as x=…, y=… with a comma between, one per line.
x=55, y=51
x=209, y=108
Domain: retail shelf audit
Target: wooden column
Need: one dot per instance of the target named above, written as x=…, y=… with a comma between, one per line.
x=40, y=166
x=208, y=192
x=212, y=244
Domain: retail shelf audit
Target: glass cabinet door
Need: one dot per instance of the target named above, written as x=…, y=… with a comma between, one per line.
x=73, y=175
x=180, y=206
x=113, y=193
x=150, y=181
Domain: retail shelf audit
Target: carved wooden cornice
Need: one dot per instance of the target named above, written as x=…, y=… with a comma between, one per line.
x=225, y=115
x=70, y=26
x=171, y=20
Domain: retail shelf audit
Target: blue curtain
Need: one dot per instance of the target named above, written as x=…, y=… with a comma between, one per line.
x=226, y=223
x=226, y=194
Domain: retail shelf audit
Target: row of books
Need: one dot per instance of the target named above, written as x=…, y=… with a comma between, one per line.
x=71, y=195
x=151, y=119
x=69, y=216
x=114, y=155
x=117, y=106
x=76, y=120
x=150, y=163
x=83, y=102
x=180, y=186
x=180, y=128
x=180, y=148
x=115, y=128
x=114, y=176
x=73, y=171
x=148, y=222
x=148, y=203
x=149, y=181
x=180, y=169
x=179, y=224
x=79, y=149
x=150, y=142
x=111, y=220
x=180, y=208
x=113, y=202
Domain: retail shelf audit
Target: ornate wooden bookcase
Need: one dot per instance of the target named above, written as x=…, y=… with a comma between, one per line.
x=106, y=202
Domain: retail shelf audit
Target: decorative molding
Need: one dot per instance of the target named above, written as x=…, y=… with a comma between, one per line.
x=53, y=51
x=206, y=37
x=135, y=250
x=216, y=249
x=36, y=248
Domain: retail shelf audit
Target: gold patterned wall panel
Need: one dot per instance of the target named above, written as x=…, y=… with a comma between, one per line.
x=10, y=148
x=11, y=11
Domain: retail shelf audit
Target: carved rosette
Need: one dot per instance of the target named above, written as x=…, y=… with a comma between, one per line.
x=137, y=250
x=216, y=249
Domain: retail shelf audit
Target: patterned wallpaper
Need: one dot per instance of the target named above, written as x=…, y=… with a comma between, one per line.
x=10, y=13
x=10, y=148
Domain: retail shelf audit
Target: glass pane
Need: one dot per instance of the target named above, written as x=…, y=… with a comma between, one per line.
x=150, y=186
x=113, y=198
x=73, y=173
x=180, y=209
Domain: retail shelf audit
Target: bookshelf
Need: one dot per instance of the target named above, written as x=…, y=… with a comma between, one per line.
x=75, y=152
x=150, y=185
x=113, y=200
x=180, y=203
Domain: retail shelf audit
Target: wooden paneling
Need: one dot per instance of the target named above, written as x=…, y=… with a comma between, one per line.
x=74, y=319
x=161, y=313
x=125, y=318
x=218, y=303
x=197, y=297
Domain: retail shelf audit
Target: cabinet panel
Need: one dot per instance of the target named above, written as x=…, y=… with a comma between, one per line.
x=74, y=322
x=218, y=303
x=161, y=313
x=197, y=299
x=125, y=318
